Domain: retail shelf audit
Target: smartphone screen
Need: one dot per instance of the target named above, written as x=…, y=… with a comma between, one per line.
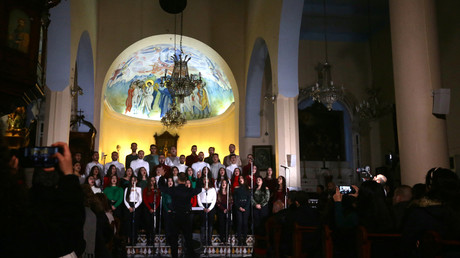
x=345, y=189
x=41, y=156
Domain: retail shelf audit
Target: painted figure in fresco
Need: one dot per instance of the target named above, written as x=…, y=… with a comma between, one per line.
x=165, y=100
x=148, y=98
x=129, y=99
x=155, y=92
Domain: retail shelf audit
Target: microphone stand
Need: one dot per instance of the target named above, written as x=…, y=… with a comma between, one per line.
x=159, y=225
x=286, y=169
x=253, y=190
x=226, y=218
x=206, y=213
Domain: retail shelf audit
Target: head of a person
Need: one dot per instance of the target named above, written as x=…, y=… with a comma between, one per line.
x=381, y=179
x=320, y=189
x=200, y=156
x=250, y=158
x=159, y=171
x=188, y=183
x=95, y=156
x=142, y=172
x=95, y=171
x=241, y=180
x=269, y=172
x=205, y=172
x=194, y=149
x=152, y=183
x=133, y=181
x=173, y=151
x=211, y=151
x=259, y=181
x=175, y=171
x=181, y=178
x=215, y=158
x=418, y=191
x=77, y=167
x=140, y=154
x=222, y=172
x=443, y=185
x=236, y=172
x=112, y=170
x=233, y=158
x=153, y=149
x=282, y=181
x=182, y=159
x=189, y=171
x=91, y=181
x=161, y=159
x=402, y=193
x=134, y=147
x=129, y=172
x=231, y=148
x=77, y=156
x=114, y=156
x=254, y=169
x=114, y=180
x=224, y=184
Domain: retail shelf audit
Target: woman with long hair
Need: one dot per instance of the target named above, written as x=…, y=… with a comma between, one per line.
x=167, y=210
x=142, y=178
x=132, y=199
x=221, y=175
x=223, y=211
x=242, y=199
x=250, y=178
x=151, y=197
x=235, y=182
x=76, y=168
x=175, y=173
x=207, y=200
x=280, y=195
x=190, y=176
x=126, y=179
x=95, y=172
x=194, y=200
x=260, y=198
x=108, y=177
x=92, y=183
x=115, y=195
x=206, y=172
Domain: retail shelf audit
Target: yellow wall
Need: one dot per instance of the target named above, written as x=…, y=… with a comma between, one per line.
x=121, y=130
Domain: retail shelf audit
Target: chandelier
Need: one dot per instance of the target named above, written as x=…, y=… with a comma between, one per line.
x=180, y=84
x=324, y=90
x=173, y=118
x=371, y=108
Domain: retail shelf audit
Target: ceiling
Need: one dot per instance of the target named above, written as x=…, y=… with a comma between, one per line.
x=346, y=20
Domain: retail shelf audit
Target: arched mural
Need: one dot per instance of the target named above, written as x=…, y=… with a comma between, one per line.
x=133, y=82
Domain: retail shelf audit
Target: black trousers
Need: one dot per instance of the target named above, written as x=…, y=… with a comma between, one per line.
x=242, y=223
x=224, y=224
x=207, y=220
x=181, y=222
x=259, y=219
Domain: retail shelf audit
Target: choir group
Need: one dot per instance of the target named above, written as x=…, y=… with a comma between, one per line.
x=233, y=196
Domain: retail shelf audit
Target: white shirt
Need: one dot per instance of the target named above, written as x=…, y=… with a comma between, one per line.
x=215, y=169
x=92, y=164
x=120, y=168
x=198, y=166
x=182, y=167
x=227, y=161
x=230, y=170
x=172, y=161
x=137, y=164
x=96, y=189
x=134, y=196
x=209, y=196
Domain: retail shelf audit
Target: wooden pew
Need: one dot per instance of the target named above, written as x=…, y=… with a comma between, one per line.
x=364, y=240
x=432, y=245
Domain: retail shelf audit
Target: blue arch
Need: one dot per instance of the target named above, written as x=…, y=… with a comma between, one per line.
x=85, y=69
x=288, y=48
x=254, y=88
x=58, y=48
x=347, y=124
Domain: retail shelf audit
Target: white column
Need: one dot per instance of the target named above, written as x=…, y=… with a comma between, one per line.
x=287, y=139
x=57, y=116
x=422, y=136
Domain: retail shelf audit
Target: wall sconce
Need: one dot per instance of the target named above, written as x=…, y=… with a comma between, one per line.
x=271, y=98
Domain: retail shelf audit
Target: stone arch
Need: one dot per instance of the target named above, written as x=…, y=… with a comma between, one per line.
x=254, y=88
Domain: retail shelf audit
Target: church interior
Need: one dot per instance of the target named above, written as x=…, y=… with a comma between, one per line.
x=93, y=74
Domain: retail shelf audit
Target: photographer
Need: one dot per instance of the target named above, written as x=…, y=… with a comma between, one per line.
x=49, y=220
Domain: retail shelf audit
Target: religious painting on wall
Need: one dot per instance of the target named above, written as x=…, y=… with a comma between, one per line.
x=134, y=87
x=321, y=134
x=19, y=31
x=263, y=157
x=165, y=141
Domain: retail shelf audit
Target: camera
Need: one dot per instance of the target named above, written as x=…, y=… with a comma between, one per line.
x=346, y=189
x=39, y=157
x=313, y=203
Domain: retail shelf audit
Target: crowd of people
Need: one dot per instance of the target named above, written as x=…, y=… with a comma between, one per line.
x=73, y=205
x=231, y=197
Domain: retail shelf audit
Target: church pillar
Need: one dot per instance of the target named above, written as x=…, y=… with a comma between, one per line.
x=422, y=136
x=287, y=139
x=57, y=116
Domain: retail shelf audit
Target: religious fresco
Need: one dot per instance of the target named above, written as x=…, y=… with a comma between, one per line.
x=133, y=88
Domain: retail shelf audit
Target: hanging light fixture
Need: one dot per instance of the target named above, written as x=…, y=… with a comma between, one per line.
x=180, y=84
x=324, y=90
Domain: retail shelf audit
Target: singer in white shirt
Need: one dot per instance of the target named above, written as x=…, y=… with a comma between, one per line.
x=140, y=162
x=120, y=167
x=207, y=200
x=132, y=199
